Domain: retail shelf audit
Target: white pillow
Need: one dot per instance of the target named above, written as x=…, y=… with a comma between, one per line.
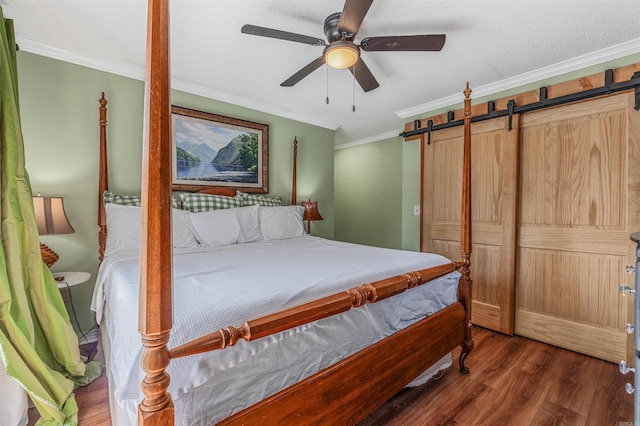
x=277, y=223
x=215, y=227
x=182, y=235
x=249, y=221
x=123, y=229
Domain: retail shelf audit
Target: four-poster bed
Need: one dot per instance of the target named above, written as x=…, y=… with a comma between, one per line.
x=345, y=390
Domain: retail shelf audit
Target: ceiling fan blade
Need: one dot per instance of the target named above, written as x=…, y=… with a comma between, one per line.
x=433, y=42
x=361, y=72
x=352, y=15
x=282, y=35
x=305, y=71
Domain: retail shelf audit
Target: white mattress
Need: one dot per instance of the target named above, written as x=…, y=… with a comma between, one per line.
x=222, y=286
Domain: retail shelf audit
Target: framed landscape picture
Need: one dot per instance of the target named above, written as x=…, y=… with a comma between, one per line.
x=212, y=150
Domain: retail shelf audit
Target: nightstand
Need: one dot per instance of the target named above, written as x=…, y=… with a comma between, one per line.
x=65, y=280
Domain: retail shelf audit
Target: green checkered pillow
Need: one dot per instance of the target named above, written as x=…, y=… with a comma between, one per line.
x=253, y=199
x=205, y=202
x=131, y=200
x=123, y=200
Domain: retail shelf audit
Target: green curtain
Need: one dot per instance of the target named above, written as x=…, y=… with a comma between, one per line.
x=37, y=342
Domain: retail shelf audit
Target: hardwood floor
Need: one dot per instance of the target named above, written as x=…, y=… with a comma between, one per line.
x=513, y=381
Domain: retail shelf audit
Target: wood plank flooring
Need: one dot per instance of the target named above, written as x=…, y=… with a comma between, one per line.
x=513, y=381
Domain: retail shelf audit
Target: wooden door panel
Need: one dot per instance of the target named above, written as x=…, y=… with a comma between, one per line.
x=574, y=225
x=551, y=282
x=494, y=154
x=490, y=234
x=485, y=307
x=578, y=240
x=579, y=337
x=447, y=194
x=573, y=168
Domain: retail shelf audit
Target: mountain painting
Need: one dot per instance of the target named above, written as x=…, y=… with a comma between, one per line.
x=212, y=152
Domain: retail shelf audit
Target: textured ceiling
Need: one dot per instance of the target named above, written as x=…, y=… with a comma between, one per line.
x=487, y=41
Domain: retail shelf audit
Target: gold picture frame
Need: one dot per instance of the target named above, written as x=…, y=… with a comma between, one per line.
x=211, y=150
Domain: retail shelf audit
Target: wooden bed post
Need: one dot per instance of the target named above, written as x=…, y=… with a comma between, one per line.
x=294, y=190
x=155, y=309
x=464, y=287
x=103, y=178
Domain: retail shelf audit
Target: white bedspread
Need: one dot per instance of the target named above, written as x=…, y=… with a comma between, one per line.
x=222, y=286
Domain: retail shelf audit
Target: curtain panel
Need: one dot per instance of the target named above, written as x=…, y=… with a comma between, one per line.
x=37, y=342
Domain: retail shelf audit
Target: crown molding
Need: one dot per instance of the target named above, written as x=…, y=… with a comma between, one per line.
x=63, y=55
x=370, y=139
x=137, y=73
x=594, y=58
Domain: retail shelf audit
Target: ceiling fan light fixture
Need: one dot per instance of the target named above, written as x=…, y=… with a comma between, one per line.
x=341, y=54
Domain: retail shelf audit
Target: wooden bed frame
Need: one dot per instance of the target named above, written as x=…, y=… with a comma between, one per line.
x=344, y=393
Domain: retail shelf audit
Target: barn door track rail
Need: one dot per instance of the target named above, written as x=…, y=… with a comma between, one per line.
x=544, y=102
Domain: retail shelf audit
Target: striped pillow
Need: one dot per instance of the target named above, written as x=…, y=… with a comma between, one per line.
x=253, y=199
x=131, y=200
x=195, y=202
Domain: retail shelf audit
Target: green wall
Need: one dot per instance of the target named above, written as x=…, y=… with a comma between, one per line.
x=59, y=113
x=368, y=193
x=410, y=195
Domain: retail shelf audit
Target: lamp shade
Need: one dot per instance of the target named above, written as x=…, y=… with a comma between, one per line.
x=341, y=54
x=50, y=216
x=311, y=211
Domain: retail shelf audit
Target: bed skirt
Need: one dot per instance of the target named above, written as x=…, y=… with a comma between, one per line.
x=125, y=413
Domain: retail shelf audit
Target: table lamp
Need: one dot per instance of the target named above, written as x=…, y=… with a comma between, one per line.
x=310, y=213
x=51, y=220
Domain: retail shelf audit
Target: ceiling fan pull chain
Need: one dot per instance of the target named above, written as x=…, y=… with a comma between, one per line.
x=327, y=85
x=354, y=90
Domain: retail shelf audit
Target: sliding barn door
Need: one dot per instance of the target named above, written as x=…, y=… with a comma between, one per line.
x=579, y=185
x=494, y=182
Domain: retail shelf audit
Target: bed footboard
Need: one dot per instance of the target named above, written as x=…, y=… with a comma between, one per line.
x=348, y=391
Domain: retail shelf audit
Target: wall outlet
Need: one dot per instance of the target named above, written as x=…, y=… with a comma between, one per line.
x=416, y=210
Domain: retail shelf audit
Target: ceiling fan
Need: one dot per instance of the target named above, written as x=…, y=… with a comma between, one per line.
x=341, y=51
